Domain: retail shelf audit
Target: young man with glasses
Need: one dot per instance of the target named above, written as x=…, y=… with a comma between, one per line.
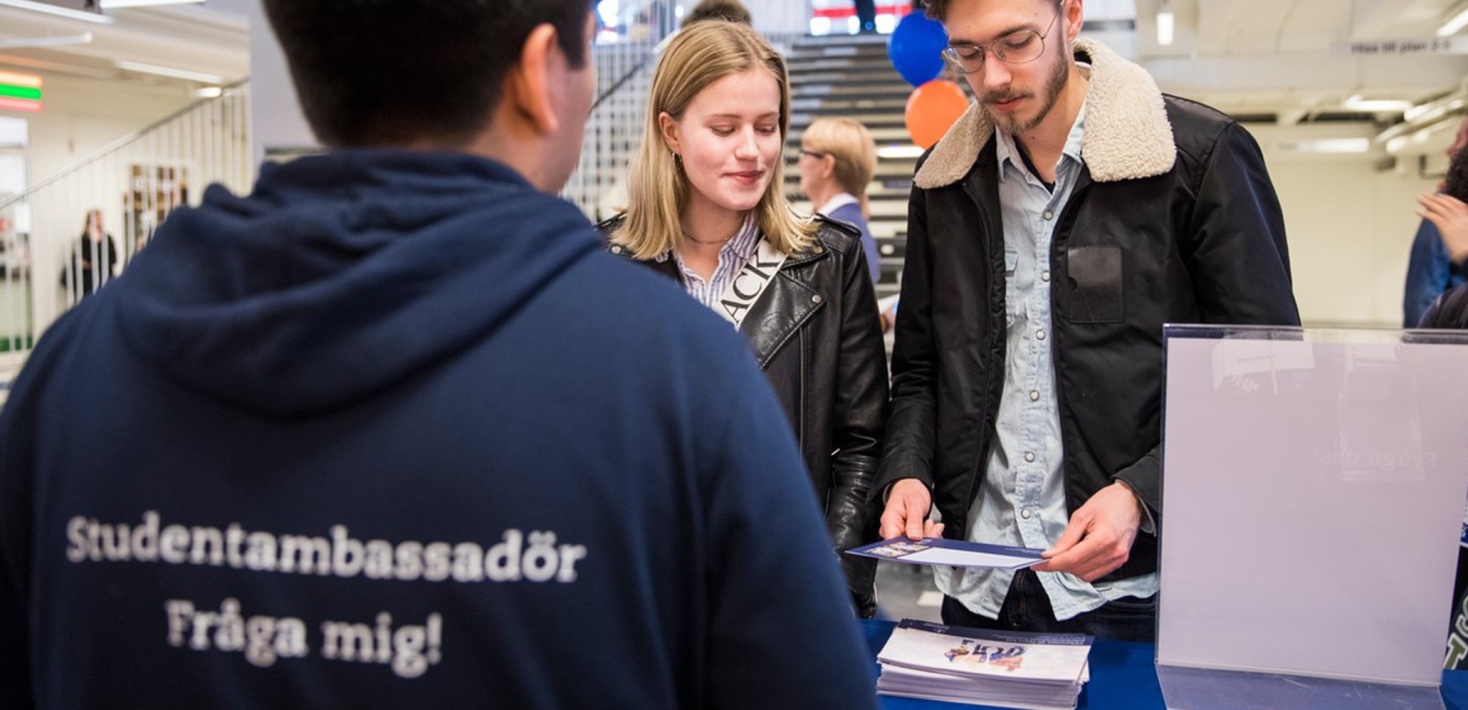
x=1070, y=213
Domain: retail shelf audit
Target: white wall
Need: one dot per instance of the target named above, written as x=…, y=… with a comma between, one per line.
x=1350, y=229
x=1349, y=221
x=83, y=115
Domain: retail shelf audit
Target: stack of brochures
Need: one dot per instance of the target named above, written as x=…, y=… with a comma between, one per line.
x=982, y=667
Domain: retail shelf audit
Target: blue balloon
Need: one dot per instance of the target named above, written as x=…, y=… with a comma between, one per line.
x=916, y=48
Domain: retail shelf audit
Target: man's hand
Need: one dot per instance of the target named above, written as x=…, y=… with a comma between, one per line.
x=1099, y=536
x=907, y=512
x=1450, y=216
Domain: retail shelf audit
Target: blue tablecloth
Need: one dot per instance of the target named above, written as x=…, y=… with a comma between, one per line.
x=1123, y=677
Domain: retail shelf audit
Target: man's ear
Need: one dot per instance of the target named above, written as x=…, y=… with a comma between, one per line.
x=828, y=165
x=537, y=78
x=1074, y=19
x=669, y=130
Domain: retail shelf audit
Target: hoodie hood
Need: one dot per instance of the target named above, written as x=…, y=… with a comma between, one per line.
x=343, y=274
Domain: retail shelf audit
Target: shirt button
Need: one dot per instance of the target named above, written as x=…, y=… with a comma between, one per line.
x=1034, y=395
x=1049, y=214
x=1039, y=335
x=1030, y=456
x=1025, y=513
x=1045, y=276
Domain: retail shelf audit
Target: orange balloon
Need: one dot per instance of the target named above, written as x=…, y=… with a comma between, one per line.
x=932, y=109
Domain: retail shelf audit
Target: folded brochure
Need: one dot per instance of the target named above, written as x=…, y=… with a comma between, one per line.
x=941, y=551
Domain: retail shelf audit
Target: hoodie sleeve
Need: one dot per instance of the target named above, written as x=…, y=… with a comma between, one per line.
x=15, y=526
x=781, y=633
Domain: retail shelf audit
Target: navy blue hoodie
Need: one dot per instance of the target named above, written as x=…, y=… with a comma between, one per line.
x=394, y=431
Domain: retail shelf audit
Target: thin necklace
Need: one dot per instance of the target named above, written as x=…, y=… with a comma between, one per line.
x=690, y=238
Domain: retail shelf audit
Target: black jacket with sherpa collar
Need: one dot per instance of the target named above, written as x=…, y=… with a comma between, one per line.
x=1173, y=219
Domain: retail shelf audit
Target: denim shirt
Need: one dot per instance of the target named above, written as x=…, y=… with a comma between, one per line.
x=1430, y=273
x=1021, y=499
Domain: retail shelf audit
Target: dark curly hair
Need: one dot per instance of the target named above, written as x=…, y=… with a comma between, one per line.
x=1456, y=183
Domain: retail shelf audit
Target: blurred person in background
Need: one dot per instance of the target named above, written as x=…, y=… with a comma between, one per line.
x=1432, y=268
x=93, y=259
x=837, y=161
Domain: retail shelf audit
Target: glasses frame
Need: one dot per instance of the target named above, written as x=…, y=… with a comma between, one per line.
x=951, y=58
x=812, y=153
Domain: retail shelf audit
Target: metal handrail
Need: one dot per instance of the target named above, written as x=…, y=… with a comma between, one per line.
x=119, y=144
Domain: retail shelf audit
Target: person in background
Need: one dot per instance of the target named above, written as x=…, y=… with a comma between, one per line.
x=837, y=160
x=706, y=209
x=1447, y=211
x=1065, y=217
x=93, y=259
x=730, y=10
x=866, y=16
x=393, y=430
x=1431, y=270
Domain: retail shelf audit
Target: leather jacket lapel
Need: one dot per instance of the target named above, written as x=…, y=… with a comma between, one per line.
x=786, y=304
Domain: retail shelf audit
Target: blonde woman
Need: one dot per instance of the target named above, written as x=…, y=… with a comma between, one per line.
x=705, y=208
x=837, y=160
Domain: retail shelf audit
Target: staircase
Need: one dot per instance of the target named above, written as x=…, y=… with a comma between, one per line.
x=852, y=76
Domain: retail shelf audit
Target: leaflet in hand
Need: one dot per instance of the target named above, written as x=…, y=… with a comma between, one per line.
x=941, y=551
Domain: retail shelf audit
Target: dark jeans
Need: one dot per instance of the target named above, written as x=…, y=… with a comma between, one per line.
x=1027, y=608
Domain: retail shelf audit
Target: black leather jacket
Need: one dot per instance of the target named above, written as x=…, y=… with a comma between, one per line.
x=816, y=334
x=1172, y=220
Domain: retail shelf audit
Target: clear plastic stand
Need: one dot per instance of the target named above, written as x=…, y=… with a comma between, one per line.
x=1314, y=485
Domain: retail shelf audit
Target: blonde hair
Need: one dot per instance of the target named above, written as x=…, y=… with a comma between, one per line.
x=852, y=149
x=657, y=189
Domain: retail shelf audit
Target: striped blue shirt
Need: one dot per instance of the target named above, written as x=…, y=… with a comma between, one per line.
x=732, y=257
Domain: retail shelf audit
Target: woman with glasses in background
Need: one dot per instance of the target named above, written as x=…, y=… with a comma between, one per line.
x=706, y=209
x=837, y=159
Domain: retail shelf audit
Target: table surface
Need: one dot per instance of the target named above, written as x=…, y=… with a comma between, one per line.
x=1123, y=677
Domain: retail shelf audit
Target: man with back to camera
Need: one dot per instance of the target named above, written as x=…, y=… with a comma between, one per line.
x=1069, y=214
x=1431, y=270
x=381, y=433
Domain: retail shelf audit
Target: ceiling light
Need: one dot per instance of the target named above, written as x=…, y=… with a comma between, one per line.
x=112, y=4
x=83, y=38
x=60, y=11
x=20, y=79
x=27, y=105
x=170, y=72
x=1454, y=24
x=899, y=151
x=1164, y=23
x=208, y=92
x=1377, y=105
x=1328, y=145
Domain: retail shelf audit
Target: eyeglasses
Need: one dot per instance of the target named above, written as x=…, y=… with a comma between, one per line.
x=812, y=153
x=1019, y=47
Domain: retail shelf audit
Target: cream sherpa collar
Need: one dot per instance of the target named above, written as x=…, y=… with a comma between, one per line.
x=1127, y=133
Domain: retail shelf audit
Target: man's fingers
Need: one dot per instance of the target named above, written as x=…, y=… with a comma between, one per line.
x=916, y=518
x=1074, y=531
